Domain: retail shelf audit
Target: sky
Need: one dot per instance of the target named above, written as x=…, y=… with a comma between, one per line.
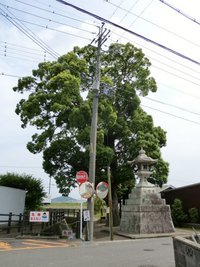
x=31, y=32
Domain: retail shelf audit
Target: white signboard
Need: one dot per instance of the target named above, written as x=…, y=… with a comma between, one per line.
x=39, y=216
x=86, y=215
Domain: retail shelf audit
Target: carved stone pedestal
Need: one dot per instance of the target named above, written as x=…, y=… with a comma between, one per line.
x=145, y=212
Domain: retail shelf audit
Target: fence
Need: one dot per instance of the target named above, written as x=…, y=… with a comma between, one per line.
x=19, y=223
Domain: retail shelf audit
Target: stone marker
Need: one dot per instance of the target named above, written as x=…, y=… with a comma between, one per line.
x=145, y=212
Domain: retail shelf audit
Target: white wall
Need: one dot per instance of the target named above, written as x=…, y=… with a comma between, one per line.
x=11, y=200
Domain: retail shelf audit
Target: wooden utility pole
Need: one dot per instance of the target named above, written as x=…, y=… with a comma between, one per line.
x=110, y=205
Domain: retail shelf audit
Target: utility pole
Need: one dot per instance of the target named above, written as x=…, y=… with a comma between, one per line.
x=101, y=38
x=110, y=205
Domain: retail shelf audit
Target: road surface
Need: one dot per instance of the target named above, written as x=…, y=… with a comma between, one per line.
x=153, y=252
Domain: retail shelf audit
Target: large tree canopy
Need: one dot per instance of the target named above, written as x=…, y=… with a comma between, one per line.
x=56, y=107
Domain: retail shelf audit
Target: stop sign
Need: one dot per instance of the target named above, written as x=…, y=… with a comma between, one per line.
x=81, y=177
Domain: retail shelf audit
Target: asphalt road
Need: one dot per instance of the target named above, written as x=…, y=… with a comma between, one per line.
x=154, y=252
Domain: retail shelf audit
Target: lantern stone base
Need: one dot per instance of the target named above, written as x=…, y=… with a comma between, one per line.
x=145, y=212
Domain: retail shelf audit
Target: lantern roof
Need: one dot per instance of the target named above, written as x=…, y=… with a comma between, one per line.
x=143, y=158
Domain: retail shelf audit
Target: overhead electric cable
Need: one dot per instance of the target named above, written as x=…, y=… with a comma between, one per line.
x=20, y=56
x=7, y=48
x=178, y=76
x=21, y=46
x=170, y=114
x=156, y=25
x=128, y=11
x=157, y=53
x=167, y=113
x=50, y=20
x=49, y=28
x=55, y=13
x=29, y=33
x=138, y=16
x=131, y=94
x=177, y=69
x=180, y=12
x=178, y=90
x=117, y=8
x=10, y=75
x=131, y=32
x=171, y=105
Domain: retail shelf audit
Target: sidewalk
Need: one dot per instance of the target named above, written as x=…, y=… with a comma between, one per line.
x=102, y=233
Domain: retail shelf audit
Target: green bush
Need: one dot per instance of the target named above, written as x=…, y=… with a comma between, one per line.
x=178, y=215
x=193, y=215
x=99, y=206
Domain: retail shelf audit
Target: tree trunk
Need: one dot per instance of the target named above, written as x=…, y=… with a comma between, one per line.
x=116, y=218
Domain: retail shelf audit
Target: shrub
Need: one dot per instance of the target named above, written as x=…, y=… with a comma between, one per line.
x=178, y=215
x=99, y=205
x=193, y=215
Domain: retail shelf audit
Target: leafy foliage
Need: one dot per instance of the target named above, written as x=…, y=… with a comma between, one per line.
x=33, y=187
x=178, y=215
x=56, y=107
x=99, y=205
x=193, y=215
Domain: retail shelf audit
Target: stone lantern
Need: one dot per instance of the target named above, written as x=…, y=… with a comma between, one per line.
x=145, y=212
x=143, y=165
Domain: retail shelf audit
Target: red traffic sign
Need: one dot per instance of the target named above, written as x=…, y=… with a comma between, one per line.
x=81, y=177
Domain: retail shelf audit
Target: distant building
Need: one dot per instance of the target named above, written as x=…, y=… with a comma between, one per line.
x=189, y=195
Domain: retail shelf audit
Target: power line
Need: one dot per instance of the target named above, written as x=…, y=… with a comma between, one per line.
x=21, y=58
x=173, y=74
x=128, y=11
x=9, y=75
x=23, y=51
x=177, y=69
x=7, y=48
x=171, y=105
x=29, y=34
x=160, y=102
x=21, y=46
x=180, y=12
x=49, y=28
x=170, y=114
x=174, y=61
x=154, y=24
x=49, y=20
x=157, y=53
x=178, y=90
x=55, y=13
x=131, y=32
x=139, y=16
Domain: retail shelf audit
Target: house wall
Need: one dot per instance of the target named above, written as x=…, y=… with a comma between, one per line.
x=11, y=200
x=189, y=195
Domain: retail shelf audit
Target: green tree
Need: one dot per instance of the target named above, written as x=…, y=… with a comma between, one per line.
x=99, y=206
x=33, y=187
x=55, y=106
x=193, y=215
x=178, y=215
